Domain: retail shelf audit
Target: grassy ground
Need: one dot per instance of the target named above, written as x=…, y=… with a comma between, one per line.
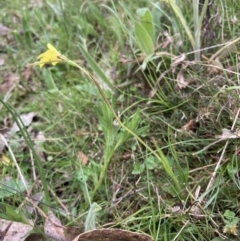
x=181, y=180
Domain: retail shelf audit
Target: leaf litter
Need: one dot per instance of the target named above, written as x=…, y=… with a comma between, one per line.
x=26, y=120
x=9, y=82
x=15, y=230
x=53, y=228
x=112, y=234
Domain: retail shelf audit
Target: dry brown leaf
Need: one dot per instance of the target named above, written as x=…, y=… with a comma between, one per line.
x=196, y=211
x=82, y=158
x=228, y=134
x=181, y=82
x=35, y=237
x=197, y=192
x=215, y=60
x=36, y=198
x=112, y=234
x=17, y=231
x=179, y=59
x=8, y=83
x=38, y=140
x=2, y=143
x=26, y=73
x=72, y=232
x=9, y=135
x=26, y=119
x=4, y=230
x=168, y=40
x=215, y=66
x=53, y=228
x=188, y=126
x=177, y=208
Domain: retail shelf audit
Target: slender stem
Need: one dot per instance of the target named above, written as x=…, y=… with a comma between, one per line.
x=197, y=30
x=204, y=9
x=166, y=167
x=101, y=177
x=113, y=112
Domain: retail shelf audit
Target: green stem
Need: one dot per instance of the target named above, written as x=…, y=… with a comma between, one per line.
x=204, y=9
x=101, y=177
x=111, y=109
x=198, y=20
x=171, y=175
x=197, y=30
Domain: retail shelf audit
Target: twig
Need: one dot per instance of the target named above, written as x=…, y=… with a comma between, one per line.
x=222, y=155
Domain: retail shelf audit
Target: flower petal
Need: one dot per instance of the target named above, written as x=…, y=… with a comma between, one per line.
x=50, y=47
x=47, y=54
x=50, y=56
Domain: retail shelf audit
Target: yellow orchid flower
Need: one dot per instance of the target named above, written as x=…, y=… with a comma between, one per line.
x=50, y=56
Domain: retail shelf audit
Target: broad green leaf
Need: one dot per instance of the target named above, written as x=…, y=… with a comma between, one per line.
x=90, y=220
x=152, y=162
x=8, y=213
x=229, y=214
x=143, y=39
x=146, y=21
x=137, y=168
x=11, y=187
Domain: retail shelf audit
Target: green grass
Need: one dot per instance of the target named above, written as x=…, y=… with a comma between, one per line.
x=180, y=183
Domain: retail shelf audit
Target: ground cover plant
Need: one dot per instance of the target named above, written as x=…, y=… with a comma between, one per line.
x=119, y=117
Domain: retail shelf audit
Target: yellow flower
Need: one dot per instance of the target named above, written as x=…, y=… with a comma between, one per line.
x=231, y=229
x=50, y=56
x=4, y=160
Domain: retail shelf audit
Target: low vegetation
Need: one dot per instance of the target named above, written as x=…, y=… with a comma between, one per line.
x=142, y=136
